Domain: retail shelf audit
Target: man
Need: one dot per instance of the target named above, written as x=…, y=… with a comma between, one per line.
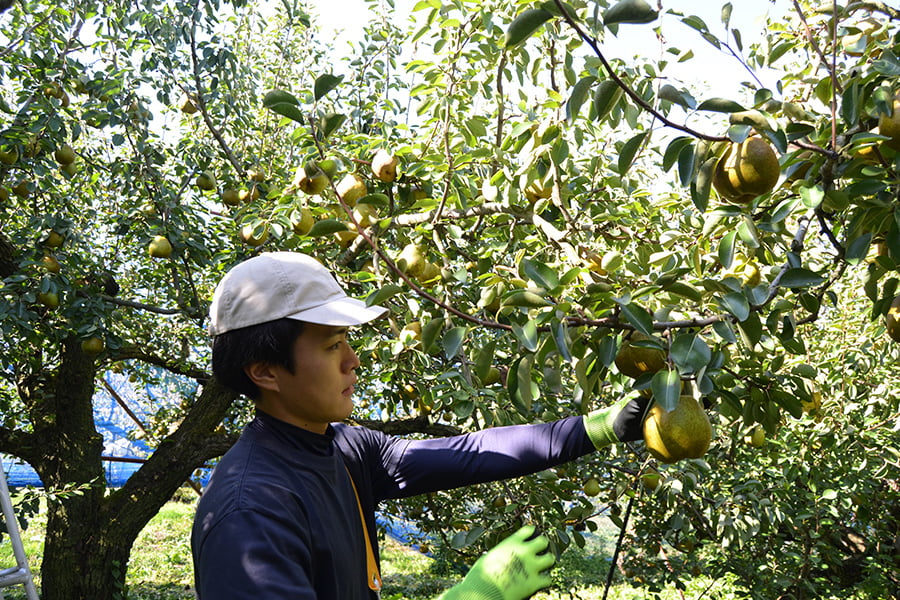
x=289, y=511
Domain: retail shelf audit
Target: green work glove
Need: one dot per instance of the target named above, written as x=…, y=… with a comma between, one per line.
x=621, y=422
x=514, y=569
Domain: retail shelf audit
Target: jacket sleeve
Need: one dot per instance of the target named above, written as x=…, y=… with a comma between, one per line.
x=413, y=467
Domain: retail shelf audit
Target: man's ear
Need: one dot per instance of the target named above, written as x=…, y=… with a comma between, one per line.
x=263, y=375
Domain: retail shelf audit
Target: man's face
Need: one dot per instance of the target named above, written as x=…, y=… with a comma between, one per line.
x=320, y=389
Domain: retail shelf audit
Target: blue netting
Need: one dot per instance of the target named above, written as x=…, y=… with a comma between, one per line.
x=120, y=431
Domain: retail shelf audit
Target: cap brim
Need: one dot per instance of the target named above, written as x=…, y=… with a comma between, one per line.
x=342, y=312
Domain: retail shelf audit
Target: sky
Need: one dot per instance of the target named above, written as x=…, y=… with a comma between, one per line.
x=344, y=19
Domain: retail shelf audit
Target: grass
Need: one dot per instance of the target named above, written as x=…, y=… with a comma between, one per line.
x=161, y=569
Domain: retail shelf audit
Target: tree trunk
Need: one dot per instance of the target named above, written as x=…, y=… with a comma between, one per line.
x=91, y=530
x=83, y=559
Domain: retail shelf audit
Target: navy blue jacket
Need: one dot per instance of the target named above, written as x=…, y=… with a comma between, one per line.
x=279, y=519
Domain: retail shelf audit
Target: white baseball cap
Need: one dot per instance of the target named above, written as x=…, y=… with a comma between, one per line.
x=284, y=285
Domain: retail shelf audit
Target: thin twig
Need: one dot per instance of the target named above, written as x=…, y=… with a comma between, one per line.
x=626, y=88
x=201, y=101
x=615, y=556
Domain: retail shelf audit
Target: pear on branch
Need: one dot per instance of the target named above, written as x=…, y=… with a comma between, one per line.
x=384, y=165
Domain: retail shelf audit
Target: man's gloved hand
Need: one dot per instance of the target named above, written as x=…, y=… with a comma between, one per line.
x=621, y=422
x=514, y=569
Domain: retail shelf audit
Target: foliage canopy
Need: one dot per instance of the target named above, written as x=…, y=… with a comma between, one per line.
x=558, y=201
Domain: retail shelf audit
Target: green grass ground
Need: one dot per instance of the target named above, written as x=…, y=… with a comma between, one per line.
x=161, y=569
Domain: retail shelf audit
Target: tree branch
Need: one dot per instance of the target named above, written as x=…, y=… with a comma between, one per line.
x=136, y=353
x=626, y=88
x=201, y=102
x=408, y=426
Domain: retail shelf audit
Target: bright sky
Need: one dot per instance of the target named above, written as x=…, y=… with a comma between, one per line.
x=344, y=19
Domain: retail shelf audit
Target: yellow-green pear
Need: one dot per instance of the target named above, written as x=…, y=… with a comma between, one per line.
x=384, y=165
x=160, y=247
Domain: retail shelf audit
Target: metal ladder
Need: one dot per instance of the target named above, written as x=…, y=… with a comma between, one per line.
x=20, y=574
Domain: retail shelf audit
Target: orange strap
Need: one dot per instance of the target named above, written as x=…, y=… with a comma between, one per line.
x=372, y=566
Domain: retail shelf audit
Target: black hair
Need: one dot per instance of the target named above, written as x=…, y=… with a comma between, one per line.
x=271, y=343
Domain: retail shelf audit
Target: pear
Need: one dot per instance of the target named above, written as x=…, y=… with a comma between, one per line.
x=205, y=181
x=302, y=221
x=8, y=155
x=634, y=361
x=684, y=432
x=252, y=238
x=64, y=155
x=311, y=180
x=364, y=215
x=429, y=272
x=746, y=170
x=889, y=125
x=255, y=174
x=21, y=189
x=93, y=346
x=230, y=197
x=186, y=104
x=249, y=195
x=351, y=188
x=412, y=260
x=537, y=190
x=160, y=247
x=892, y=320
x=384, y=165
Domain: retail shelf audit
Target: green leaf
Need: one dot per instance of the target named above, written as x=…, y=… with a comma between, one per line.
x=753, y=118
x=329, y=123
x=703, y=183
x=799, y=277
x=628, y=152
x=684, y=290
x=476, y=127
x=525, y=24
x=561, y=338
x=325, y=83
x=578, y=95
x=284, y=104
x=279, y=97
x=666, y=388
x=430, y=332
x=377, y=199
x=681, y=97
x=674, y=149
x=527, y=335
x=723, y=330
x=858, y=249
x=737, y=304
x=485, y=359
x=540, y=273
x=606, y=95
x=690, y=353
x=751, y=329
x=383, y=294
x=630, y=11
x=638, y=316
x=453, y=340
x=812, y=196
x=524, y=298
x=747, y=232
x=722, y=105
x=606, y=351
x=326, y=227
x=686, y=161
x=726, y=249
x=524, y=391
